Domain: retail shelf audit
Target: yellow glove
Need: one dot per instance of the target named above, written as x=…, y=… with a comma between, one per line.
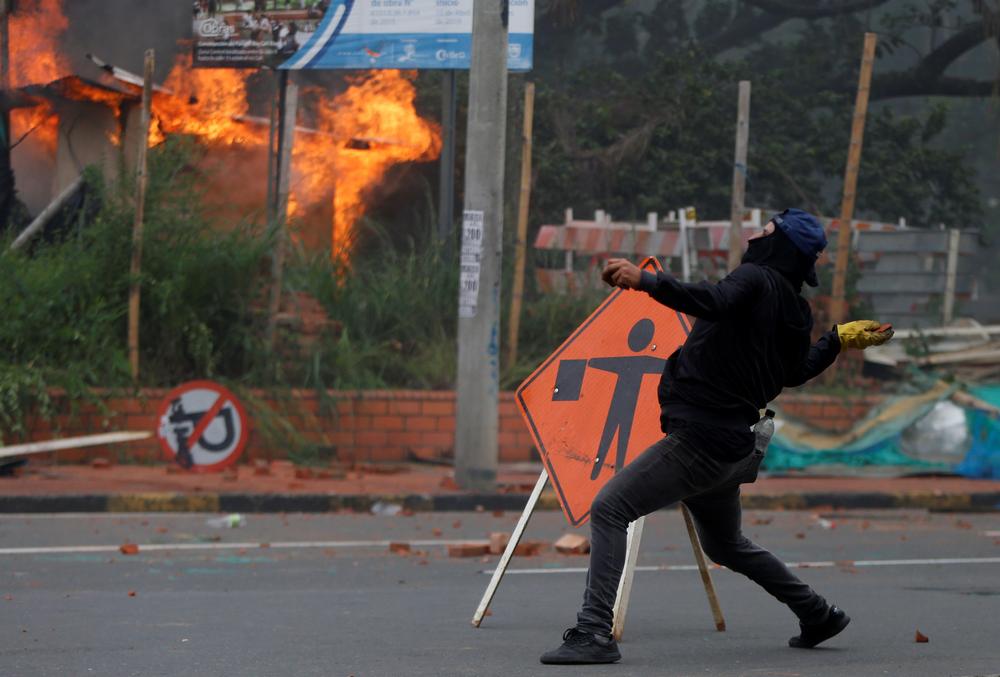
x=863, y=333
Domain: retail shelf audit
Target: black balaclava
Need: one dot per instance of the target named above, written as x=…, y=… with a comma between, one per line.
x=777, y=251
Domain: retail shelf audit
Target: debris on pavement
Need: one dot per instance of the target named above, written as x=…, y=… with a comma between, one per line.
x=498, y=542
x=529, y=548
x=129, y=549
x=386, y=509
x=469, y=549
x=231, y=521
x=572, y=544
x=400, y=548
x=921, y=638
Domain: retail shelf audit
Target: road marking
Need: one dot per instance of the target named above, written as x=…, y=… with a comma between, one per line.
x=792, y=565
x=274, y=545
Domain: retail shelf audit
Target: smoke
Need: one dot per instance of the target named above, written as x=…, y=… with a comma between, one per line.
x=120, y=31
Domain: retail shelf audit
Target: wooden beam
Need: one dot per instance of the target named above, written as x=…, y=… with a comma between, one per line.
x=46, y=215
x=71, y=443
x=288, y=110
x=838, y=311
x=142, y=178
x=739, y=176
x=521, y=246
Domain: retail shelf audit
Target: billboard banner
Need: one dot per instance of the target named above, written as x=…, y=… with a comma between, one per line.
x=349, y=34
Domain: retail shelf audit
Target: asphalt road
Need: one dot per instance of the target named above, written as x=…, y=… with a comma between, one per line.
x=326, y=598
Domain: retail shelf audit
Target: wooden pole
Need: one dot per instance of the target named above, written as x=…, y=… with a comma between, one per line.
x=46, y=214
x=446, y=193
x=272, y=153
x=838, y=310
x=515, y=538
x=706, y=577
x=739, y=176
x=289, y=108
x=521, y=246
x=135, y=269
x=951, y=273
x=49, y=446
x=620, y=609
x=6, y=172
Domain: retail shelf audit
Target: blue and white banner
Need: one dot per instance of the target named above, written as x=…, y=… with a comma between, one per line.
x=408, y=34
x=349, y=34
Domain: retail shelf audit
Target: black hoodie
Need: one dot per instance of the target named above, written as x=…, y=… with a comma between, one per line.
x=751, y=339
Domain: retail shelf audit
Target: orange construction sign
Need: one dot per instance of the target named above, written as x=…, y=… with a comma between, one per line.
x=591, y=406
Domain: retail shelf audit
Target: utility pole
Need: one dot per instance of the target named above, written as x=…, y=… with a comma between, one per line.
x=838, y=309
x=478, y=387
x=739, y=176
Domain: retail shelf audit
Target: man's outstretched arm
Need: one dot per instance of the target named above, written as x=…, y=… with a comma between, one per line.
x=859, y=335
x=703, y=299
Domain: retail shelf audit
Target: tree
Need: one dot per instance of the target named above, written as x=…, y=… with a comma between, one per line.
x=638, y=104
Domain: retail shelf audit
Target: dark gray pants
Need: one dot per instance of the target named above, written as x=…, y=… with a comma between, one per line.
x=668, y=472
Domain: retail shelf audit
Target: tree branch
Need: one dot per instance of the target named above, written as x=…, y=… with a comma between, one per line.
x=814, y=10
x=936, y=63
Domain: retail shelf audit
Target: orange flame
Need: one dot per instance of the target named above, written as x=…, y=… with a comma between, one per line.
x=207, y=103
x=370, y=127
x=35, y=30
x=359, y=134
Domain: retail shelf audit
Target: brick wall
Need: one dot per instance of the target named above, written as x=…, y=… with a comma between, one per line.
x=829, y=413
x=379, y=425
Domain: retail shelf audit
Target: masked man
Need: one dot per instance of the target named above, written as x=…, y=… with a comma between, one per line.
x=751, y=339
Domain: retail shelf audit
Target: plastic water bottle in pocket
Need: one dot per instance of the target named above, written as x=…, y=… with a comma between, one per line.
x=763, y=431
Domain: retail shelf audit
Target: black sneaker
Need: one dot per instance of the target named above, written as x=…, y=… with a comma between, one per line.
x=812, y=635
x=581, y=647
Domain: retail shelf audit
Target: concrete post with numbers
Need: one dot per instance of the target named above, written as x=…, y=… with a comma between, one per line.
x=478, y=387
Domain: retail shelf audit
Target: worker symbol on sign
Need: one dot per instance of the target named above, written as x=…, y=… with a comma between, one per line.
x=630, y=370
x=202, y=426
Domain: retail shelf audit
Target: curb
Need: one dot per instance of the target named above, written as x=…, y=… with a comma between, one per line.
x=322, y=503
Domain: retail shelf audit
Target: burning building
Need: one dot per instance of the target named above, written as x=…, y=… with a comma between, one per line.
x=66, y=121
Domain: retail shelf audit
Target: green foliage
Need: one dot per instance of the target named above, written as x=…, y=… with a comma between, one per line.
x=66, y=301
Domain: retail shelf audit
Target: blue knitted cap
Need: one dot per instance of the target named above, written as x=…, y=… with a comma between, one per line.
x=803, y=229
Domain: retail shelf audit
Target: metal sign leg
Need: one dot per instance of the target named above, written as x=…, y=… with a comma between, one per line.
x=625, y=584
x=706, y=577
x=515, y=537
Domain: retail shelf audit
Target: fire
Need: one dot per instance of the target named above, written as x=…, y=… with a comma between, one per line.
x=358, y=134
x=370, y=127
x=207, y=103
x=35, y=30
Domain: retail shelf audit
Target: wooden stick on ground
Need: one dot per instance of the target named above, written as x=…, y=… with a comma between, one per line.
x=515, y=538
x=706, y=577
x=628, y=574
